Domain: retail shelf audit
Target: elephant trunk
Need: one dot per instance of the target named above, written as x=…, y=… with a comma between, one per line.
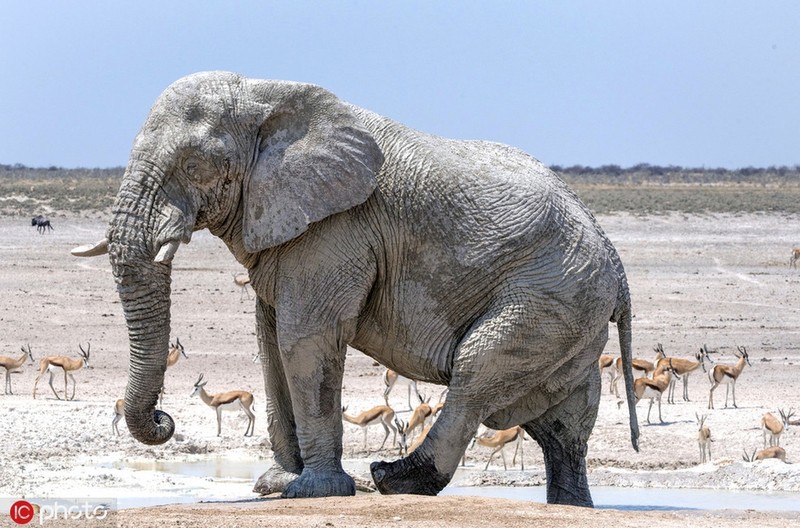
x=147, y=315
x=144, y=289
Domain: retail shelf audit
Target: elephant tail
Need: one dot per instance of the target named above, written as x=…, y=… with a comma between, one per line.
x=622, y=316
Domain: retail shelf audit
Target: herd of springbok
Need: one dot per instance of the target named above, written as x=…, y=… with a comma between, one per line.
x=235, y=399
x=53, y=365
x=652, y=379
x=411, y=433
x=50, y=364
x=408, y=435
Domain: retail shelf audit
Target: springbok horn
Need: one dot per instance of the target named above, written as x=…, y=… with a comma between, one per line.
x=167, y=251
x=89, y=250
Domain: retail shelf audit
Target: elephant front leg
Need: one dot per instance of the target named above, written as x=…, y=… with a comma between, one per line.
x=319, y=294
x=288, y=464
x=314, y=369
x=311, y=360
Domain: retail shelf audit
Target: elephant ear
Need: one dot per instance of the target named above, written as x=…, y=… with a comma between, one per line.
x=315, y=159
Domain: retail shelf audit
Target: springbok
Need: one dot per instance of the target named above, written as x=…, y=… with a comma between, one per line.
x=606, y=364
x=641, y=369
x=703, y=438
x=437, y=408
x=727, y=374
x=378, y=415
x=406, y=449
x=242, y=280
x=420, y=417
x=119, y=413
x=773, y=428
x=227, y=400
x=652, y=389
x=770, y=452
x=390, y=379
x=176, y=350
x=498, y=442
x=683, y=368
x=12, y=364
x=69, y=365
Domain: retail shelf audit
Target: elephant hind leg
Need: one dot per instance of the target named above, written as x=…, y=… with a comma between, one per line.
x=473, y=394
x=505, y=355
x=565, y=466
x=563, y=432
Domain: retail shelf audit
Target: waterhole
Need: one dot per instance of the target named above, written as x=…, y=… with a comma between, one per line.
x=245, y=472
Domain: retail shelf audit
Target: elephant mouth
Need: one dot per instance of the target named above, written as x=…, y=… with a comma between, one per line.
x=176, y=230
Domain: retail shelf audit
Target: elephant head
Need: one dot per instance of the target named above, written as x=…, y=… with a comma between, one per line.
x=256, y=162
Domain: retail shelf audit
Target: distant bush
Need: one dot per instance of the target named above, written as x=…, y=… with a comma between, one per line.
x=24, y=190
x=651, y=189
x=644, y=173
x=640, y=189
x=19, y=171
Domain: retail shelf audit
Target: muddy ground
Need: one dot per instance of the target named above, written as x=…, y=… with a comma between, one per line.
x=722, y=281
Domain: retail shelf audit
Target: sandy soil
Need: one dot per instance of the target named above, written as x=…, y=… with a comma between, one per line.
x=716, y=280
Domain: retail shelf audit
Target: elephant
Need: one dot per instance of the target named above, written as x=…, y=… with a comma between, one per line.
x=462, y=263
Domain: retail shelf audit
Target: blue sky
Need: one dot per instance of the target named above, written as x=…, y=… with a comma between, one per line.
x=680, y=82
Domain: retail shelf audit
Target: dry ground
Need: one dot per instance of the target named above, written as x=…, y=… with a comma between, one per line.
x=716, y=280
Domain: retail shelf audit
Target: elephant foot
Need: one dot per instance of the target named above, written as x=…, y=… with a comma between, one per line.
x=413, y=474
x=558, y=493
x=313, y=483
x=274, y=480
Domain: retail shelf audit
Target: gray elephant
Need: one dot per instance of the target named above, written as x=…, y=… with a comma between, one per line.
x=462, y=263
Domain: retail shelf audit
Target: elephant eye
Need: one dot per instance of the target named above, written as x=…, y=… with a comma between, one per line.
x=190, y=167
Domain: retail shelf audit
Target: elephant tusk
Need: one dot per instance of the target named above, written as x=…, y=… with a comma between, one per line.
x=91, y=250
x=167, y=251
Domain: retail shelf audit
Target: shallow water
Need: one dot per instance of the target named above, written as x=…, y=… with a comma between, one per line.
x=616, y=498
x=607, y=497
